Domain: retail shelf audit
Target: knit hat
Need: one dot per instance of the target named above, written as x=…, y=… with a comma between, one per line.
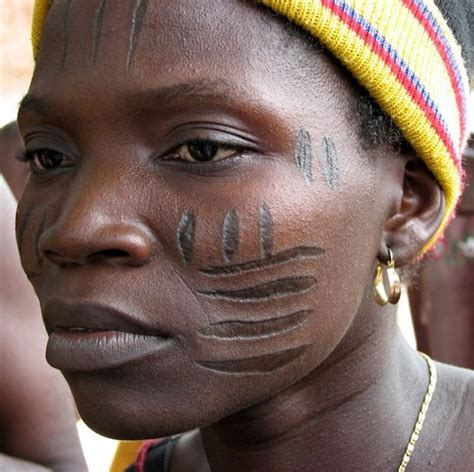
x=411, y=55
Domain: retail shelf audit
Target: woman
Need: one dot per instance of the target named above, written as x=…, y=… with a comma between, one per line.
x=210, y=196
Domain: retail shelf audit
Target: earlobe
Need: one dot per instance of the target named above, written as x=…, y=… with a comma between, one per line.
x=419, y=214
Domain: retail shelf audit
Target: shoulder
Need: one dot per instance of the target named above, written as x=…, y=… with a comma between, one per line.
x=449, y=429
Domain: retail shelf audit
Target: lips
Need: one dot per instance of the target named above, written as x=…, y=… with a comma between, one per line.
x=89, y=336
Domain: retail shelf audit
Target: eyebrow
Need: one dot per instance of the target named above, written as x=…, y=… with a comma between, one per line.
x=198, y=90
x=218, y=91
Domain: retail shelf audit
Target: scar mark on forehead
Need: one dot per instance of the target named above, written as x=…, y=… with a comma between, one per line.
x=255, y=329
x=186, y=229
x=304, y=155
x=230, y=235
x=290, y=255
x=98, y=23
x=329, y=162
x=66, y=12
x=266, y=231
x=25, y=218
x=278, y=288
x=137, y=23
x=257, y=365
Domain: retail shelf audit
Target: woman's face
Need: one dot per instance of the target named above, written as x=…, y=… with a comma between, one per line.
x=201, y=222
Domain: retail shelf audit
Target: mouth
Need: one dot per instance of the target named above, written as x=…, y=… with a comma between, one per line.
x=88, y=337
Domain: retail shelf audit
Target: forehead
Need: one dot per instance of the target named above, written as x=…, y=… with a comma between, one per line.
x=137, y=44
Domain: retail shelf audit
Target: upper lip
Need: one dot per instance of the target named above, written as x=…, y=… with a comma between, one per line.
x=62, y=314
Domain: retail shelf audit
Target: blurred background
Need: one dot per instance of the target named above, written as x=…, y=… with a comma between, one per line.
x=16, y=66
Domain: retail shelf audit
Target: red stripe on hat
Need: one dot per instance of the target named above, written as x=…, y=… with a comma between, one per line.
x=443, y=52
x=399, y=73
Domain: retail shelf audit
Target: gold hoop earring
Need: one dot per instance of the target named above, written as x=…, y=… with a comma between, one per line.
x=394, y=286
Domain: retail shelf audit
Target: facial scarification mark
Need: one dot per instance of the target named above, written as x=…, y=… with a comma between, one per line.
x=304, y=155
x=294, y=254
x=240, y=329
x=25, y=218
x=186, y=229
x=137, y=23
x=66, y=11
x=98, y=23
x=275, y=289
x=257, y=365
x=36, y=239
x=230, y=235
x=329, y=162
x=266, y=231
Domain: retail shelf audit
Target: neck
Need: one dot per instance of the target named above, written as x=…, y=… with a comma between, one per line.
x=356, y=410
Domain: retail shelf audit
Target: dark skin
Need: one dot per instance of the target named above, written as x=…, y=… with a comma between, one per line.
x=119, y=120
x=444, y=285
x=38, y=431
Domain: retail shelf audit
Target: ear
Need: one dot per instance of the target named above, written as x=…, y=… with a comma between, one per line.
x=418, y=216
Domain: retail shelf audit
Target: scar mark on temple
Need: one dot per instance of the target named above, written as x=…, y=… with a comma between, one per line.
x=266, y=231
x=36, y=239
x=186, y=229
x=304, y=155
x=25, y=218
x=255, y=329
x=66, y=12
x=329, y=162
x=137, y=23
x=98, y=23
x=275, y=289
x=230, y=235
x=290, y=255
x=257, y=365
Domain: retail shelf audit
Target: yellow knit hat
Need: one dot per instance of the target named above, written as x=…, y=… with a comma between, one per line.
x=405, y=54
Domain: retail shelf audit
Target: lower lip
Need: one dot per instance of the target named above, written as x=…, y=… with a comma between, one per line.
x=98, y=350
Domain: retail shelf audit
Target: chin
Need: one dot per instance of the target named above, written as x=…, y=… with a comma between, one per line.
x=120, y=410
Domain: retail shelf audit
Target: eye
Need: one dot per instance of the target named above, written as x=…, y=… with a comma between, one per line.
x=203, y=151
x=45, y=160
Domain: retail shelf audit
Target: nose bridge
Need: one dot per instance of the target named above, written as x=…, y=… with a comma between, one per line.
x=96, y=221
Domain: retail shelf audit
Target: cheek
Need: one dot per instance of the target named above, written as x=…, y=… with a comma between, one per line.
x=280, y=272
x=30, y=223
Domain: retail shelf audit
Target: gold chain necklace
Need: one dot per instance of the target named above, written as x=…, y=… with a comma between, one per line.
x=421, y=414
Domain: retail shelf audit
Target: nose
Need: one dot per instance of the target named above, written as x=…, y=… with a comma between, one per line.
x=97, y=240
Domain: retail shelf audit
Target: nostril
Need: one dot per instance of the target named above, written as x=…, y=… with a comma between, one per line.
x=54, y=257
x=104, y=243
x=109, y=254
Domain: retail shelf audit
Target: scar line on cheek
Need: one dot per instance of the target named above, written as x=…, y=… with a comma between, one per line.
x=186, y=229
x=25, y=218
x=266, y=231
x=36, y=239
x=289, y=255
x=256, y=365
x=230, y=235
x=240, y=329
x=275, y=289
